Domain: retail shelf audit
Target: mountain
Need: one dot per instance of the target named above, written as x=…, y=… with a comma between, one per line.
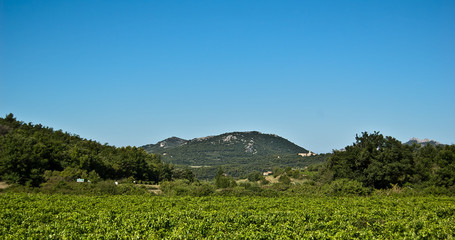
x=224, y=148
x=422, y=142
x=237, y=152
x=165, y=144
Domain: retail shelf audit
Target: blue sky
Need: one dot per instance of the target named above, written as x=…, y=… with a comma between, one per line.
x=314, y=72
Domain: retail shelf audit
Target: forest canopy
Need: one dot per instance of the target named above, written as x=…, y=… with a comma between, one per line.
x=30, y=152
x=380, y=162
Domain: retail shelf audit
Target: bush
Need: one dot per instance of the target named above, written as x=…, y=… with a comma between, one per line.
x=277, y=172
x=108, y=187
x=280, y=186
x=264, y=181
x=184, y=187
x=305, y=189
x=284, y=179
x=200, y=189
x=105, y=187
x=437, y=191
x=345, y=187
x=255, y=176
x=250, y=186
x=225, y=182
x=176, y=188
x=296, y=174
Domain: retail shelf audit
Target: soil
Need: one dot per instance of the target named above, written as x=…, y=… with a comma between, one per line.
x=3, y=185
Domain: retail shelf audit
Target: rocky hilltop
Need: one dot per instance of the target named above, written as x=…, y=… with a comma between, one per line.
x=244, y=151
x=422, y=142
x=165, y=144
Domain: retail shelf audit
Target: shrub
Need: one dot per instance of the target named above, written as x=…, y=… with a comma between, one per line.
x=284, y=179
x=255, y=176
x=345, y=187
x=264, y=181
x=280, y=186
x=225, y=182
x=306, y=189
x=184, y=187
x=277, y=172
x=175, y=188
x=250, y=186
x=202, y=189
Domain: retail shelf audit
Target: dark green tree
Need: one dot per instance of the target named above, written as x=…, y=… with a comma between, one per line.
x=444, y=170
x=374, y=160
x=223, y=181
x=23, y=160
x=255, y=176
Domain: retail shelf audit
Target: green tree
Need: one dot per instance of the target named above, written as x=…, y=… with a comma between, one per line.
x=223, y=181
x=183, y=174
x=444, y=173
x=255, y=176
x=374, y=160
x=22, y=160
x=284, y=179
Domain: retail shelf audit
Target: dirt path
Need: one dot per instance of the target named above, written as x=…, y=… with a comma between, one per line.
x=3, y=185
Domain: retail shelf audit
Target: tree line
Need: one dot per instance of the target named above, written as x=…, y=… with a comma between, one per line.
x=382, y=162
x=30, y=153
x=34, y=155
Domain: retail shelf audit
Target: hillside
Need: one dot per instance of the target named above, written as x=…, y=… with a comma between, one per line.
x=237, y=152
x=165, y=144
x=33, y=154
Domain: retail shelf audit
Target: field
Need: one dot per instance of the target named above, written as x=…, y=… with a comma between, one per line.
x=39, y=216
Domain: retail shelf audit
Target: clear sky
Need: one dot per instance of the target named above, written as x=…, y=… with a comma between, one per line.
x=314, y=72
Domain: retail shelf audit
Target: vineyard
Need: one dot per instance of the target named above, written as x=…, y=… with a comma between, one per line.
x=39, y=216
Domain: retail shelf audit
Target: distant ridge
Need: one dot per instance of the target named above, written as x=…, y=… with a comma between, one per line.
x=422, y=142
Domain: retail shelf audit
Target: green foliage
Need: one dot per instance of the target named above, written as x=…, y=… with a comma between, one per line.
x=284, y=179
x=243, y=167
x=183, y=174
x=294, y=173
x=40, y=216
x=27, y=151
x=255, y=176
x=277, y=171
x=445, y=170
x=264, y=181
x=107, y=187
x=184, y=187
x=345, y=187
x=224, y=181
x=382, y=162
x=306, y=189
x=254, y=187
x=23, y=160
